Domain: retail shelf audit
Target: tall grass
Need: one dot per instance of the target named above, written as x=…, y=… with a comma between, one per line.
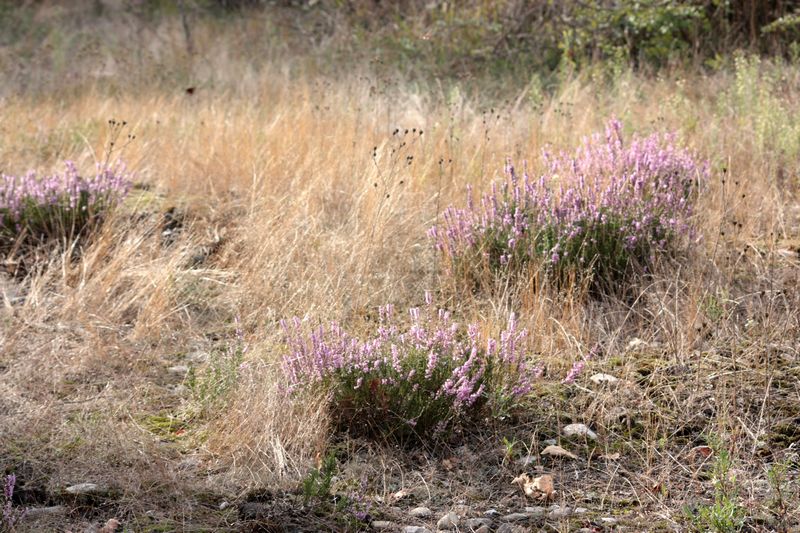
x=276, y=168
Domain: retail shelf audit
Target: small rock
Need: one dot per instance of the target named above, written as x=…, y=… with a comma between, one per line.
x=448, y=521
x=179, y=369
x=581, y=510
x=550, y=442
x=608, y=521
x=477, y=523
x=581, y=430
x=492, y=513
x=84, y=488
x=381, y=524
x=515, y=517
x=560, y=513
x=416, y=529
x=511, y=528
x=224, y=505
x=45, y=511
x=535, y=511
x=420, y=512
x=600, y=379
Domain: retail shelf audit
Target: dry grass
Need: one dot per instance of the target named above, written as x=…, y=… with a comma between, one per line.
x=294, y=197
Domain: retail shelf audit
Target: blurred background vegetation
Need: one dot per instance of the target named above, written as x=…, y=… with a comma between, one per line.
x=502, y=41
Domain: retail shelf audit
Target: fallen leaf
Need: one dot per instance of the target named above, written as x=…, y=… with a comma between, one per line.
x=538, y=488
x=110, y=527
x=399, y=495
x=704, y=451
x=558, y=451
x=525, y=483
x=544, y=484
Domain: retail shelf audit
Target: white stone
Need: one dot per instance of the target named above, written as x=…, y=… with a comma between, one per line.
x=581, y=430
x=448, y=521
x=420, y=512
x=84, y=488
x=600, y=379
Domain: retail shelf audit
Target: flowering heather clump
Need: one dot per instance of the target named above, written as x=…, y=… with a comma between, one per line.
x=409, y=383
x=609, y=208
x=59, y=206
x=11, y=516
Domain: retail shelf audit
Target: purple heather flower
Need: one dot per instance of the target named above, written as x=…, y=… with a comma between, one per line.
x=640, y=187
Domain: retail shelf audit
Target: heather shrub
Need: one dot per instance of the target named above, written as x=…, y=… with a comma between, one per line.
x=63, y=206
x=409, y=383
x=607, y=211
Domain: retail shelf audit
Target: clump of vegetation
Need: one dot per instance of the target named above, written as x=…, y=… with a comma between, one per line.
x=409, y=383
x=11, y=515
x=57, y=208
x=607, y=211
x=725, y=515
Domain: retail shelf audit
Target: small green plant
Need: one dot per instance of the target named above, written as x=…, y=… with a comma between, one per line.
x=317, y=484
x=211, y=385
x=725, y=515
x=509, y=446
x=776, y=475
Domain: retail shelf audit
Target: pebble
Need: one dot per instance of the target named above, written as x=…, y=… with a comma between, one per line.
x=581, y=510
x=477, y=523
x=535, y=511
x=599, y=379
x=420, y=512
x=515, y=517
x=608, y=521
x=581, y=430
x=84, y=488
x=560, y=513
x=416, y=529
x=511, y=528
x=43, y=511
x=179, y=369
x=381, y=524
x=224, y=505
x=448, y=521
x=492, y=513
